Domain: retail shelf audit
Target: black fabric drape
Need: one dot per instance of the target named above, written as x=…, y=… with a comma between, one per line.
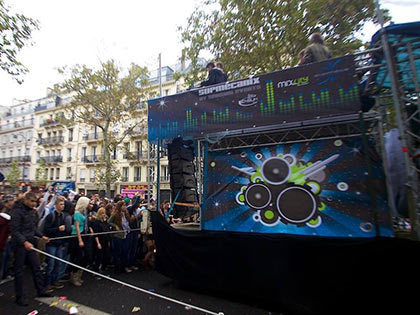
x=305, y=274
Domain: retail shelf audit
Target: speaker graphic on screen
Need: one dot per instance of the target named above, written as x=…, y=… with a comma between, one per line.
x=275, y=197
x=182, y=176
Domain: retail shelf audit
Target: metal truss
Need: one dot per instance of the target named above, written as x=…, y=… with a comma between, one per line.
x=328, y=129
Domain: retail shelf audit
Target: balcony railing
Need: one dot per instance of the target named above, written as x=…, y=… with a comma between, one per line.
x=50, y=122
x=51, y=140
x=20, y=159
x=17, y=124
x=90, y=158
x=164, y=178
x=134, y=156
x=82, y=180
x=50, y=159
x=93, y=136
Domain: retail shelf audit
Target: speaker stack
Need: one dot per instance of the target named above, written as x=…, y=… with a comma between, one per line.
x=182, y=176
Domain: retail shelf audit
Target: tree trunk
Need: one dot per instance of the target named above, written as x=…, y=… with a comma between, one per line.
x=107, y=160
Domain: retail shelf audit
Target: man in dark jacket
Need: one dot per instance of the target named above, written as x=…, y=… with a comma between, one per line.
x=316, y=51
x=215, y=75
x=24, y=230
x=56, y=225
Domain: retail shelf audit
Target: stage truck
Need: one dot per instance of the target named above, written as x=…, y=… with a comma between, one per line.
x=283, y=183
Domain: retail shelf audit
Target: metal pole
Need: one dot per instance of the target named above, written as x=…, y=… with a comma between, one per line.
x=158, y=176
x=160, y=75
x=400, y=123
x=149, y=173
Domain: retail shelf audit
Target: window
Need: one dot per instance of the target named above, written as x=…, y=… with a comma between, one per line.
x=114, y=154
x=52, y=174
x=70, y=135
x=19, y=152
x=83, y=175
x=164, y=174
x=84, y=152
x=57, y=173
x=93, y=152
x=92, y=175
x=125, y=172
x=69, y=154
x=137, y=174
x=69, y=175
x=38, y=156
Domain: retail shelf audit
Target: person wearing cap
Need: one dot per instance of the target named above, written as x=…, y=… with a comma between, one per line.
x=8, y=200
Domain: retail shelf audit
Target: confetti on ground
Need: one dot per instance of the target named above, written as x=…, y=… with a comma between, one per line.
x=62, y=298
x=33, y=312
x=73, y=310
x=136, y=309
x=54, y=303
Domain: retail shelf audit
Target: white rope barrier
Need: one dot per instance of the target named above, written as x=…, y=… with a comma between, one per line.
x=130, y=285
x=91, y=234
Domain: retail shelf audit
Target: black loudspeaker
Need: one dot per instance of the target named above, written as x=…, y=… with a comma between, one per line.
x=182, y=176
x=183, y=181
x=187, y=195
x=181, y=167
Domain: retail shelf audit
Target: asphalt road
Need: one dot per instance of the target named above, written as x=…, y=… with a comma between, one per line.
x=107, y=297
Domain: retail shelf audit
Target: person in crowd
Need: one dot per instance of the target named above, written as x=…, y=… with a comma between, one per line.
x=108, y=209
x=133, y=236
x=4, y=234
x=102, y=248
x=149, y=243
x=56, y=225
x=69, y=210
x=219, y=66
x=24, y=230
x=120, y=221
x=215, y=75
x=164, y=209
x=9, y=201
x=77, y=244
x=316, y=50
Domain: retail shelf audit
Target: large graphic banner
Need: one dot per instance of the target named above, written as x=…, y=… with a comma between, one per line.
x=313, y=188
x=317, y=90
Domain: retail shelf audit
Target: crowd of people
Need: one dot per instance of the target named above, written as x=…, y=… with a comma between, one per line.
x=100, y=234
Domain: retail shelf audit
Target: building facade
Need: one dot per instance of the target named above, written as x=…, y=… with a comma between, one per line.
x=50, y=151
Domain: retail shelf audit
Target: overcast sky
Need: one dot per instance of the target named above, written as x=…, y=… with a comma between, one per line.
x=86, y=31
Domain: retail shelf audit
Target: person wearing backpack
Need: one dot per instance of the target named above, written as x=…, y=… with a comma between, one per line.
x=56, y=225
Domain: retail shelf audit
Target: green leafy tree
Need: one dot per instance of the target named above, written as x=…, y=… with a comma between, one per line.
x=14, y=175
x=15, y=32
x=40, y=174
x=251, y=37
x=109, y=100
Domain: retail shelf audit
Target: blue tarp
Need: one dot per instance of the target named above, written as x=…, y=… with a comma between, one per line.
x=399, y=33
